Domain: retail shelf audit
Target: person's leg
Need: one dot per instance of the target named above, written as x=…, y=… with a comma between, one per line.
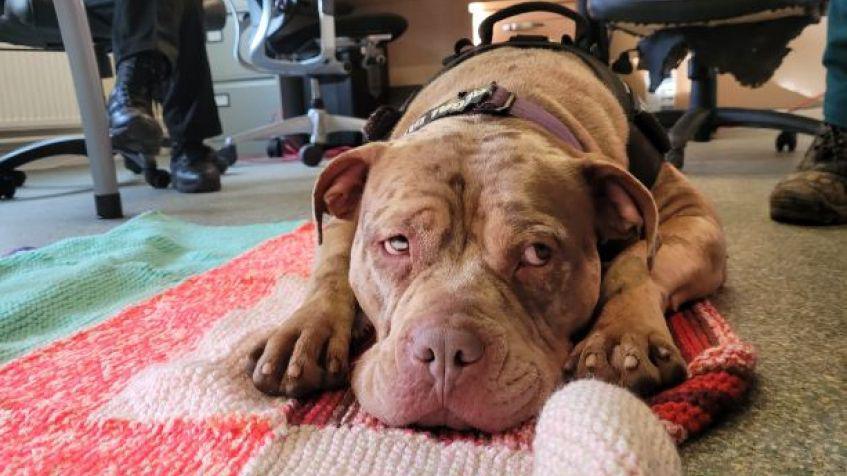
x=190, y=112
x=835, y=61
x=142, y=26
x=145, y=42
x=817, y=192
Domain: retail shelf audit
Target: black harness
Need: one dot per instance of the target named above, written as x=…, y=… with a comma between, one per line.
x=648, y=141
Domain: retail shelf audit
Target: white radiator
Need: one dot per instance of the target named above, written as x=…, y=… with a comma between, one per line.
x=36, y=91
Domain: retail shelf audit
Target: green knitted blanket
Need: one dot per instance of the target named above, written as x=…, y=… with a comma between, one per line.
x=53, y=291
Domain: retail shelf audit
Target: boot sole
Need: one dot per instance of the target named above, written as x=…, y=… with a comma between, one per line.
x=207, y=186
x=140, y=137
x=802, y=212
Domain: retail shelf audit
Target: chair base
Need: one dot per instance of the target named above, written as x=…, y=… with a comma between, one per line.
x=317, y=123
x=704, y=117
x=698, y=124
x=11, y=178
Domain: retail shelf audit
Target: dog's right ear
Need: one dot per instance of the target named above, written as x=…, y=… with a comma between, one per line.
x=339, y=188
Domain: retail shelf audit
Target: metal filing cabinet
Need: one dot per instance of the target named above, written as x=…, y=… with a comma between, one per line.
x=245, y=98
x=245, y=104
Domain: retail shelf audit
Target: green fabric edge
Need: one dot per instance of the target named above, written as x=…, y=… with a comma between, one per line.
x=51, y=292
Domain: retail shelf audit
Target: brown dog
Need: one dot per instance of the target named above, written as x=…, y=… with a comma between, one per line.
x=471, y=246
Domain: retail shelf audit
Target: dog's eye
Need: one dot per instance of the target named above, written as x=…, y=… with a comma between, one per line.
x=396, y=245
x=536, y=254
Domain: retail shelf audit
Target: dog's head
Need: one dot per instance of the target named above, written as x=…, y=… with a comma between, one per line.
x=475, y=258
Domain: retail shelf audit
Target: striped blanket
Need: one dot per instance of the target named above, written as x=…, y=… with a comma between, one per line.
x=159, y=388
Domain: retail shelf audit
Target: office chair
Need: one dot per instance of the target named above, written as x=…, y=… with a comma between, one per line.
x=302, y=38
x=33, y=24
x=744, y=38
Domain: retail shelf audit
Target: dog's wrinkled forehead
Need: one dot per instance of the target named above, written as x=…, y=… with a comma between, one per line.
x=453, y=181
x=466, y=179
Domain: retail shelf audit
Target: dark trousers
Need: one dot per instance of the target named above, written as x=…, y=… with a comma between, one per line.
x=175, y=29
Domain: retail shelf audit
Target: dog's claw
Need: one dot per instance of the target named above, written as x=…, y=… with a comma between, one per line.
x=664, y=353
x=267, y=369
x=334, y=366
x=591, y=361
x=630, y=362
x=294, y=370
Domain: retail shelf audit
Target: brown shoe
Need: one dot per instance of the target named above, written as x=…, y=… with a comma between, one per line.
x=817, y=193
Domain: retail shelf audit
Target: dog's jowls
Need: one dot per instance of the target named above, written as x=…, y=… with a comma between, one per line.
x=471, y=247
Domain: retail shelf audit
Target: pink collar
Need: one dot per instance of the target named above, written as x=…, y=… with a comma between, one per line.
x=497, y=101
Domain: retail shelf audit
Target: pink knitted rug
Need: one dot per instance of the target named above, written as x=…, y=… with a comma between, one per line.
x=159, y=388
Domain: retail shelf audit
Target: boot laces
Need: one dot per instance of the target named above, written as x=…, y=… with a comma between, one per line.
x=831, y=145
x=137, y=81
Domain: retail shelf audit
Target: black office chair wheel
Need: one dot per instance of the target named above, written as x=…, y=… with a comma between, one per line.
x=786, y=140
x=7, y=186
x=157, y=178
x=676, y=157
x=311, y=154
x=143, y=164
x=18, y=177
x=276, y=147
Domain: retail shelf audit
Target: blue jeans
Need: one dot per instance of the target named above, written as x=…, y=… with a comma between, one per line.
x=835, y=60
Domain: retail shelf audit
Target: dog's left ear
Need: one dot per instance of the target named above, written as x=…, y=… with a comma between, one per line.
x=624, y=206
x=339, y=187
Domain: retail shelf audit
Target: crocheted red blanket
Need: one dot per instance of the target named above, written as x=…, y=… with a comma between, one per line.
x=160, y=388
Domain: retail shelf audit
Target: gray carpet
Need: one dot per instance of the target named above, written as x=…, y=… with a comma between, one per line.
x=785, y=292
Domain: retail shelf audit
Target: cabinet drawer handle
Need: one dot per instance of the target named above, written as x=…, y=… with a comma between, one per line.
x=522, y=25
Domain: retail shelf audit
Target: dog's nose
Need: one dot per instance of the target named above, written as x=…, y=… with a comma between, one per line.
x=446, y=351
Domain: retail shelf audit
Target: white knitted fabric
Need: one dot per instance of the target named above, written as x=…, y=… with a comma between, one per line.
x=593, y=428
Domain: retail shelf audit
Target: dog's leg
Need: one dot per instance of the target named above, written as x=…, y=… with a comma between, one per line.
x=630, y=343
x=309, y=350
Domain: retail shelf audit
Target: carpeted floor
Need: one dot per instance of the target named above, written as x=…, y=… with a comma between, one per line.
x=785, y=292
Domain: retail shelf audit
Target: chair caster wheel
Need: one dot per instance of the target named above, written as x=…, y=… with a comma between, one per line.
x=786, y=141
x=18, y=177
x=7, y=186
x=275, y=148
x=142, y=164
x=676, y=157
x=157, y=178
x=311, y=154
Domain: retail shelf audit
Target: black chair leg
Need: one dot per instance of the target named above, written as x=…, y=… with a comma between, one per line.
x=668, y=117
x=11, y=179
x=685, y=129
x=731, y=116
x=64, y=145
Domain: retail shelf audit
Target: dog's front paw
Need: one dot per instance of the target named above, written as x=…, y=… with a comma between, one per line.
x=639, y=359
x=307, y=353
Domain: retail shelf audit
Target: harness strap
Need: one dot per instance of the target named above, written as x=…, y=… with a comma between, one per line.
x=647, y=142
x=499, y=101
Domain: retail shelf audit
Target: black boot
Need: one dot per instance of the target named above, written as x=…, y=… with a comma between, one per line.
x=131, y=122
x=194, y=168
